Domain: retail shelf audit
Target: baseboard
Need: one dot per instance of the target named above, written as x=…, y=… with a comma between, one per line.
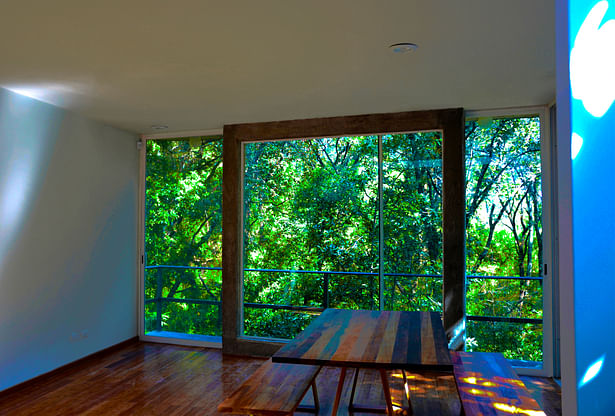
x=54, y=373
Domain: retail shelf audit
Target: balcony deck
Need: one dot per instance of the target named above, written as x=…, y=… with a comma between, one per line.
x=160, y=379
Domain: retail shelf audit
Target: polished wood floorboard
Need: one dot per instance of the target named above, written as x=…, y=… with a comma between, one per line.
x=169, y=380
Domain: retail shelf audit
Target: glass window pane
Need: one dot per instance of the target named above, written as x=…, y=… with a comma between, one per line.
x=504, y=235
x=310, y=231
x=183, y=237
x=412, y=217
x=516, y=341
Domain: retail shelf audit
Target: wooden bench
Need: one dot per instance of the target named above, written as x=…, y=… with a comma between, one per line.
x=274, y=389
x=488, y=385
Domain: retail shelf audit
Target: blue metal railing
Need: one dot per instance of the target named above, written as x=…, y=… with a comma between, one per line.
x=159, y=300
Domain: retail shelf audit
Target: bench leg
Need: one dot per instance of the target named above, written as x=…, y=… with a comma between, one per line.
x=308, y=408
x=338, y=393
x=407, y=390
x=354, y=387
x=315, y=394
x=387, y=391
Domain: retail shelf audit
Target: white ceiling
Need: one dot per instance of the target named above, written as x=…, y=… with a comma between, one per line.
x=202, y=64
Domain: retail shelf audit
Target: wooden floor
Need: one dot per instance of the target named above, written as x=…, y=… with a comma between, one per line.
x=158, y=379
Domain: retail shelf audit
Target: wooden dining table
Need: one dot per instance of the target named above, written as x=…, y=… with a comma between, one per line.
x=382, y=340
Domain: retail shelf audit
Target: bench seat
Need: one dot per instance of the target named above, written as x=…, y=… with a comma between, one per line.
x=274, y=389
x=488, y=385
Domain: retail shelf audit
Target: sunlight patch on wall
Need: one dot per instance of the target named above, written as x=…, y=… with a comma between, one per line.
x=592, y=62
x=576, y=142
x=592, y=371
x=26, y=128
x=14, y=190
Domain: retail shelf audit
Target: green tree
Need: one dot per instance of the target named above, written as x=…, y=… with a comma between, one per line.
x=504, y=233
x=183, y=221
x=312, y=206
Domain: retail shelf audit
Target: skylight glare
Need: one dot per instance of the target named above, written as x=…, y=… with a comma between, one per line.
x=52, y=93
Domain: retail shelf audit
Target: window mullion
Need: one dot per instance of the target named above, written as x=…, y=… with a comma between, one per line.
x=380, y=226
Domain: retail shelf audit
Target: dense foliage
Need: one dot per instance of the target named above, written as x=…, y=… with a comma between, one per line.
x=312, y=230
x=504, y=234
x=183, y=228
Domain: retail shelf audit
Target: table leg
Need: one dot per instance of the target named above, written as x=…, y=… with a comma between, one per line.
x=387, y=391
x=338, y=393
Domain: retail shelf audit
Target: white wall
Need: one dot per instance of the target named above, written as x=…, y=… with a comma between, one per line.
x=564, y=226
x=592, y=121
x=68, y=209
x=586, y=110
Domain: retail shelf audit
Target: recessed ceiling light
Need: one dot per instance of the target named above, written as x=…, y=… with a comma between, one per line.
x=159, y=127
x=403, y=47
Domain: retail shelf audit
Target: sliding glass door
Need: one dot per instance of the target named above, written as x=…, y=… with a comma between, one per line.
x=506, y=248
x=183, y=238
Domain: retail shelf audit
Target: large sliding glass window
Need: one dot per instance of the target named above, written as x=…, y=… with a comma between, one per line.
x=183, y=238
x=504, y=239
x=348, y=222
x=351, y=222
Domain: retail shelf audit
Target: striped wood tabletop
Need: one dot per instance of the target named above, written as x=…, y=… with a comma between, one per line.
x=371, y=339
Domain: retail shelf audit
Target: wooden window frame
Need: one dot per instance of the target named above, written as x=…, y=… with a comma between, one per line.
x=450, y=122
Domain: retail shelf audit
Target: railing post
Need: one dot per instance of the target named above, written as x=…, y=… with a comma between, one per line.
x=393, y=293
x=371, y=293
x=220, y=316
x=325, y=303
x=158, y=299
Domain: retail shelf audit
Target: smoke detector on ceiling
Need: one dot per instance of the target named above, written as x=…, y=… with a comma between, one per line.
x=403, y=47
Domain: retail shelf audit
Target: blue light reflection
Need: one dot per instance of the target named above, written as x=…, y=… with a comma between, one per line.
x=592, y=371
x=592, y=123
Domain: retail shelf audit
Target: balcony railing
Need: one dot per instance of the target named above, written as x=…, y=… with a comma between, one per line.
x=159, y=300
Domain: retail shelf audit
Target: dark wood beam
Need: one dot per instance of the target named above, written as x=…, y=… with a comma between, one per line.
x=454, y=229
x=232, y=225
x=449, y=121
